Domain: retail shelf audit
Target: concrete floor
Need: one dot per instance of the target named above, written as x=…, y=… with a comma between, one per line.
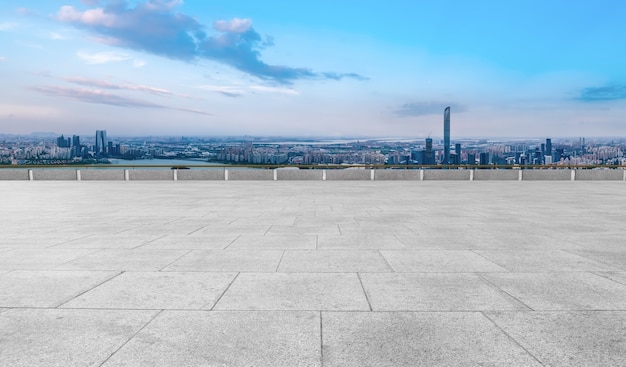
x=312, y=273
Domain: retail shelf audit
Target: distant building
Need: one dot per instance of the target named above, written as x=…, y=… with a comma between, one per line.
x=457, y=152
x=471, y=158
x=101, y=142
x=429, y=154
x=446, y=136
x=484, y=158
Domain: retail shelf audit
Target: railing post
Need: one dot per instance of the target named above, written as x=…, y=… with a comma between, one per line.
x=422, y=174
x=573, y=175
x=471, y=175
x=323, y=175
x=275, y=174
x=30, y=175
x=126, y=175
x=372, y=174
x=175, y=175
x=225, y=174
x=77, y=175
x=519, y=177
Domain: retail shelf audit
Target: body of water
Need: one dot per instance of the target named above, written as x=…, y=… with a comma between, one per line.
x=161, y=162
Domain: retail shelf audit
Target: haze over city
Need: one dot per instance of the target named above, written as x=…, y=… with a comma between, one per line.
x=349, y=68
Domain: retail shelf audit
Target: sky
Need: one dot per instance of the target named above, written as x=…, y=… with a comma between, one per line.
x=368, y=68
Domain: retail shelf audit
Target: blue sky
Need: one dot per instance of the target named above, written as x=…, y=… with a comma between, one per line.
x=325, y=68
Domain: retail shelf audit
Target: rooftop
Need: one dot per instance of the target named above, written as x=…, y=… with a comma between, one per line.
x=312, y=273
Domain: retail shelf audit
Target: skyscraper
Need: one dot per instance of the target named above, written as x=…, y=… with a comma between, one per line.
x=429, y=156
x=101, y=142
x=446, y=136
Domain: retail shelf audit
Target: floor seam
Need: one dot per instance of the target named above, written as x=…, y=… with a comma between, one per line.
x=95, y=286
x=490, y=283
x=131, y=338
x=387, y=262
x=223, y=293
x=512, y=339
x=175, y=260
x=369, y=304
x=280, y=261
x=233, y=241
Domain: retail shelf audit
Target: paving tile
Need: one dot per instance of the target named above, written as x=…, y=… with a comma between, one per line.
x=373, y=229
x=225, y=339
x=459, y=261
x=188, y=242
x=325, y=220
x=312, y=261
x=284, y=220
x=271, y=241
x=125, y=260
x=37, y=240
x=417, y=339
x=415, y=241
x=25, y=288
x=619, y=277
x=568, y=338
x=562, y=291
x=228, y=260
x=237, y=230
x=115, y=241
x=294, y=291
x=606, y=234
x=312, y=230
x=359, y=242
x=156, y=290
x=612, y=256
x=55, y=337
x=39, y=259
x=521, y=241
x=434, y=292
x=542, y=260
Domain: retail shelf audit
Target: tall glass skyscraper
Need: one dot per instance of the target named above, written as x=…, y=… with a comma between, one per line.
x=101, y=142
x=446, y=136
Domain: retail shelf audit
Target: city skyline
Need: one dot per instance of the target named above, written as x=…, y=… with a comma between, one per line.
x=157, y=67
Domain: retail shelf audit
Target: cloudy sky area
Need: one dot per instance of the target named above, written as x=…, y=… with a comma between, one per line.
x=518, y=68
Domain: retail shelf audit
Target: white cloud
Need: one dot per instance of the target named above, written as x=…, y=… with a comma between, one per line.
x=2, y=58
x=161, y=5
x=262, y=88
x=138, y=63
x=239, y=90
x=7, y=26
x=235, y=25
x=102, y=57
x=55, y=36
x=93, y=17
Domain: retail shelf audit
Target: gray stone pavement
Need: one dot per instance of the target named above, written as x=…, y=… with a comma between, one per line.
x=313, y=273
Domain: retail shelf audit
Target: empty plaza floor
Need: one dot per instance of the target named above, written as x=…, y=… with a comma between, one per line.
x=312, y=273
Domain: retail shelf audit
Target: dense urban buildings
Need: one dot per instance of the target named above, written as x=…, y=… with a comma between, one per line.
x=100, y=148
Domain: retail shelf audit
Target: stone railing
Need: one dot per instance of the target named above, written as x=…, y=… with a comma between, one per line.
x=270, y=173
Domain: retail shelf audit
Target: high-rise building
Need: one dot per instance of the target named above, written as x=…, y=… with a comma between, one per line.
x=548, y=146
x=471, y=158
x=457, y=151
x=429, y=155
x=484, y=158
x=446, y=136
x=101, y=142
